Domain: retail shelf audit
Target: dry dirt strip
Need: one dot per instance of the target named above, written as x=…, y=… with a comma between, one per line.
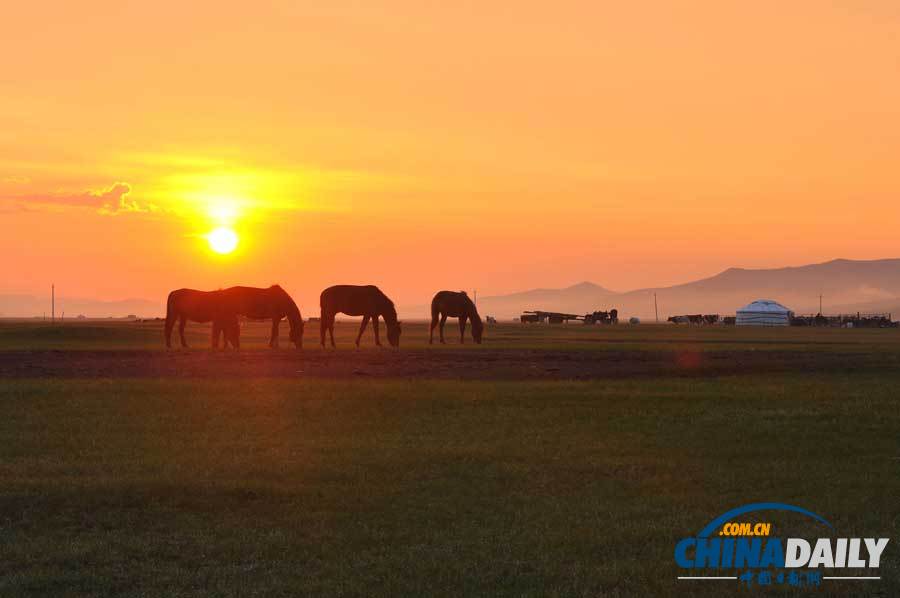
x=464, y=364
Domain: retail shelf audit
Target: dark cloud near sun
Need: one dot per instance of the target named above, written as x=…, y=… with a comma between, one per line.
x=114, y=199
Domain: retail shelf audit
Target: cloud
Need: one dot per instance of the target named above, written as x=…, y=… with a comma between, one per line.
x=115, y=199
x=112, y=200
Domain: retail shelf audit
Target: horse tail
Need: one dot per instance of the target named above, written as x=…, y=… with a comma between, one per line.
x=435, y=308
x=323, y=316
x=171, y=316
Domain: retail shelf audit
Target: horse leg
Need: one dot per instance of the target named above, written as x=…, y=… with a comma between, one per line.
x=323, y=326
x=443, y=321
x=235, y=333
x=331, y=331
x=170, y=323
x=362, y=329
x=182, y=322
x=462, y=330
x=273, y=338
x=434, y=322
x=375, y=327
x=216, y=331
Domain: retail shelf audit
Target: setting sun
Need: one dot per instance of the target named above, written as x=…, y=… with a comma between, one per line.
x=222, y=240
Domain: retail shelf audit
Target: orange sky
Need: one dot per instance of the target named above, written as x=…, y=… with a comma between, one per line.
x=428, y=145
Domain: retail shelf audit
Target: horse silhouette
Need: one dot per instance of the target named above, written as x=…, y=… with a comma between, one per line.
x=455, y=305
x=200, y=306
x=223, y=306
x=263, y=304
x=366, y=301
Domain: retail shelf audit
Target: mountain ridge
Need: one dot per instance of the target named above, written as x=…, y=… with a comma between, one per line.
x=845, y=283
x=846, y=286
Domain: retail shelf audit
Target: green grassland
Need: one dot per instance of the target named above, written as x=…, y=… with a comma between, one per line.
x=418, y=487
x=93, y=335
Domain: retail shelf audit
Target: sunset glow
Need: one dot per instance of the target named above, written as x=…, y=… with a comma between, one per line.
x=629, y=145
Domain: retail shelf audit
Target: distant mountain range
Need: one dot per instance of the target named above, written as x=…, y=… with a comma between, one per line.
x=846, y=286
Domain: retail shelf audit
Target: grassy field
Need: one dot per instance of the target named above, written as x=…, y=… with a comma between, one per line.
x=413, y=486
x=101, y=334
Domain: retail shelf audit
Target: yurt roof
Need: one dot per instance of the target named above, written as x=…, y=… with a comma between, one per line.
x=765, y=306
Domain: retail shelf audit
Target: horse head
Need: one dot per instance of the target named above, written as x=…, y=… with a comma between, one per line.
x=286, y=305
x=296, y=333
x=477, y=330
x=393, y=332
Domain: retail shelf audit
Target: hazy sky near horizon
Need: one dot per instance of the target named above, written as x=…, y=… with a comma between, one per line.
x=429, y=145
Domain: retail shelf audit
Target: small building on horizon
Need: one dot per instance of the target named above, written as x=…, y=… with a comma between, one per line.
x=764, y=312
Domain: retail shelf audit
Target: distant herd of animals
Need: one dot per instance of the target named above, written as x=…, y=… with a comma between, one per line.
x=224, y=307
x=699, y=319
x=857, y=320
x=554, y=317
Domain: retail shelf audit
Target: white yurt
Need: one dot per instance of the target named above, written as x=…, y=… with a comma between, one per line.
x=764, y=312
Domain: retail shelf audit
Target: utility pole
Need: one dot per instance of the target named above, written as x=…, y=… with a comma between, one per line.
x=52, y=302
x=820, y=304
x=656, y=308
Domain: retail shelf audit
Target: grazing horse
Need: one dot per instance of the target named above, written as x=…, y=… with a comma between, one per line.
x=200, y=306
x=455, y=305
x=366, y=301
x=263, y=304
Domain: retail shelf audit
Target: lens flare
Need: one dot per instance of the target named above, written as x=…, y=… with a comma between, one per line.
x=222, y=240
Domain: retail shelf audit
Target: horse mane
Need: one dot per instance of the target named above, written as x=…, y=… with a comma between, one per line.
x=389, y=308
x=473, y=314
x=471, y=309
x=292, y=311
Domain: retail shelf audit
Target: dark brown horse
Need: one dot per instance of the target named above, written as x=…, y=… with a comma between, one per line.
x=455, y=305
x=201, y=306
x=223, y=306
x=263, y=304
x=366, y=301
